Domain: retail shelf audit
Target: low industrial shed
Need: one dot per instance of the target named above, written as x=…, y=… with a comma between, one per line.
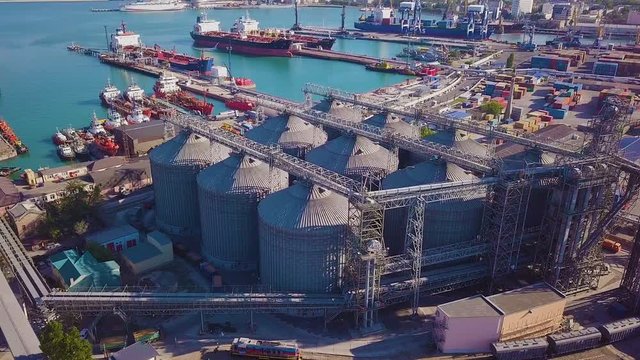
x=472, y=324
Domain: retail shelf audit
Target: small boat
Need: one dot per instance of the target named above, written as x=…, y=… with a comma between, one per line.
x=109, y=93
x=106, y=145
x=81, y=150
x=70, y=133
x=134, y=93
x=96, y=128
x=59, y=138
x=65, y=152
x=137, y=116
x=114, y=120
x=6, y=171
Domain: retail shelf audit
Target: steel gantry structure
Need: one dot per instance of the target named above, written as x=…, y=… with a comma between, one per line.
x=508, y=200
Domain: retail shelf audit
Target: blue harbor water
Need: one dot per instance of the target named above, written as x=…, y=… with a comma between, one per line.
x=44, y=87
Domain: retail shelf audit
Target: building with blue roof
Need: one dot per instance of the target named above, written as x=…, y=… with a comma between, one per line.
x=80, y=272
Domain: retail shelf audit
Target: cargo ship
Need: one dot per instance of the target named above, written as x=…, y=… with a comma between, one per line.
x=7, y=133
x=383, y=19
x=207, y=34
x=127, y=42
x=167, y=88
x=155, y=5
x=247, y=25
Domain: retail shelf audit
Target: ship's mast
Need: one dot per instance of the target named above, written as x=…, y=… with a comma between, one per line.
x=342, y=18
x=296, y=25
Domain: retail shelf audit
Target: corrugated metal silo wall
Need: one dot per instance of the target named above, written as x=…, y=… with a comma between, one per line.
x=445, y=223
x=176, y=197
x=229, y=229
x=302, y=261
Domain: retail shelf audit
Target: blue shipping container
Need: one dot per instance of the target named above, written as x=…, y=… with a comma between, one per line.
x=604, y=68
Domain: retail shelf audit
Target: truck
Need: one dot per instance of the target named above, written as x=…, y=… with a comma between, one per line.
x=611, y=245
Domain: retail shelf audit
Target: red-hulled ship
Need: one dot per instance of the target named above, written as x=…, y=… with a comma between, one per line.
x=106, y=145
x=124, y=41
x=7, y=133
x=125, y=107
x=207, y=34
x=167, y=88
x=240, y=104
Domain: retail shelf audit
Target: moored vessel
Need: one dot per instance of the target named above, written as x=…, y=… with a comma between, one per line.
x=65, y=152
x=137, y=116
x=240, y=104
x=106, y=145
x=167, y=88
x=7, y=133
x=109, y=93
x=207, y=34
x=154, y=5
x=134, y=93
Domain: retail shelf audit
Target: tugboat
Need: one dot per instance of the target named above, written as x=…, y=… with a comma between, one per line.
x=65, y=152
x=70, y=133
x=109, y=93
x=114, y=120
x=96, y=128
x=59, y=138
x=81, y=150
x=167, y=88
x=137, y=116
x=106, y=145
x=134, y=93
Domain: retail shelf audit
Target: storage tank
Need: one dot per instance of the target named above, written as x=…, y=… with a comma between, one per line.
x=174, y=166
x=294, y=135
x=303, y=230
x=229, y=193
x=394, y=123
x=445, y=223
x=354, y=156
x=342, y=111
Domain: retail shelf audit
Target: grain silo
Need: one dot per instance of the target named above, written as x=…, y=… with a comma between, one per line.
x=303, y=231
x=229, y=192
x=394, y=123
x=294, y=135
x=354, y=156
x=341, y=110
x=445, y=223
x=174, y=166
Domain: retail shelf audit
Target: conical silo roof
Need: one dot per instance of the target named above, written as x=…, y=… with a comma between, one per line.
x=353, y=155
x=459, y=140
x=304, y=206
x=188, y=149
x=288, y=131
x=345, y=111
x=241, y=173
x=428, y=172
x=394, y=123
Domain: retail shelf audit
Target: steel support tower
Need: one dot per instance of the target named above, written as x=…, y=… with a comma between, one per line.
x=631, y=278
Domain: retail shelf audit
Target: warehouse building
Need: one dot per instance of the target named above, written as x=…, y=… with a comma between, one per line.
x=81, y=272
x=117, y=238
x=471, y=325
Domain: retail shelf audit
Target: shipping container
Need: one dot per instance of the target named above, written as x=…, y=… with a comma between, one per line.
x=605, y=68
x=611, y=245
x=575, y=341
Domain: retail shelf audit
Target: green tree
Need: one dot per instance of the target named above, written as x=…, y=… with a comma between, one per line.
x=425, y=131
x=510, y=61
x=492, y=107
x=58, y=344
x=81, y=227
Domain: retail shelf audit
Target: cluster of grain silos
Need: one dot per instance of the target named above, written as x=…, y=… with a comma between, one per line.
x=174, y=167
x=248, y=218
x=293, y=134
x=229, y=194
